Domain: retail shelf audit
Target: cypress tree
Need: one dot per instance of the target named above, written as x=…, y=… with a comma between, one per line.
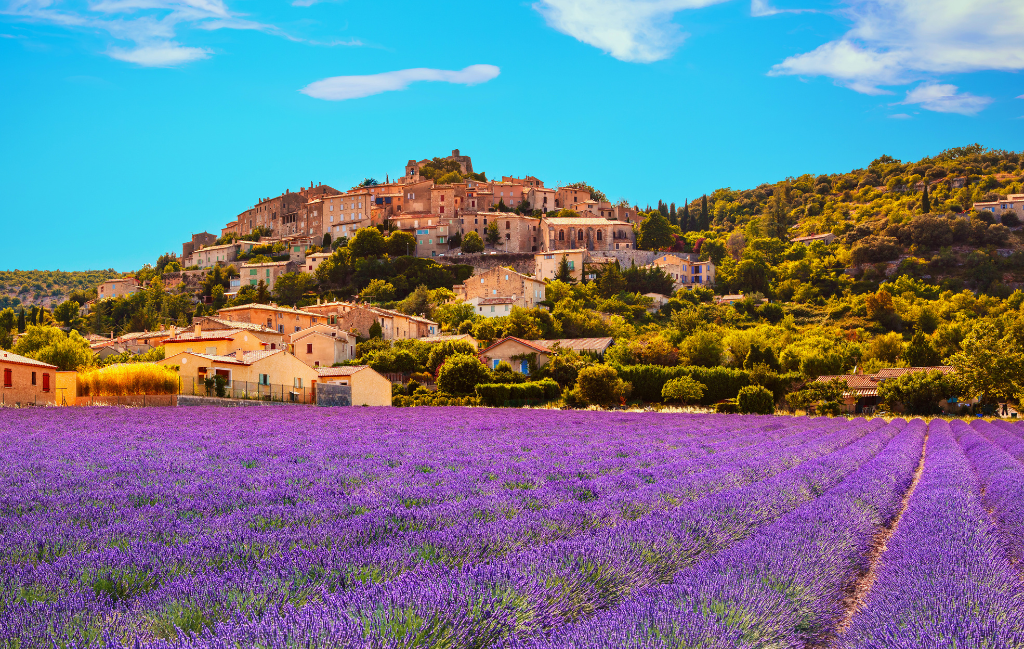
x=926, y=206
x=704, y=222
x=684, y=220
x=21, y=320
x=672, y=216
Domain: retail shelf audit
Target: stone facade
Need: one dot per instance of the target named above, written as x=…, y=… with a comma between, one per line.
x=586, y=233
x=25, y=381
x=501, y=282
x=251, y=274
x=521, y=262
x=198, y=241
x=546, y=263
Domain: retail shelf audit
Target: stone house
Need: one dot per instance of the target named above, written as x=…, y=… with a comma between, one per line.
x=344, y=214
x=312, y=262
x=546, y=263
x=686, y=270
x=528, y=182
x=500, y=282
x=201, y=240
x=566, y=196
x=491, y=307
x=807, y=240
x=541, y=198
x=368, y=387
x=26, y=381
x=1013, y=202
x=269, y=272
x=117, y=288
x=247, y=373
x=279, y=318
x=359, y=317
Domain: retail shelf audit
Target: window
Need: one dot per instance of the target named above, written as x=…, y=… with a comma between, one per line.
x=508, y=225
x=309, y=348
x=599, y=236
x=33, y=378
x=579, y=235
x=561, y=235
x=297, y=382
x=212, y=351
x=8, y=379
x=264, y=379
x=492, y=309
x=46, y=382
x=494, y=363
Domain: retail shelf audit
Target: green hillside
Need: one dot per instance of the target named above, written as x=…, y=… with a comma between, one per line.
x=47, y=287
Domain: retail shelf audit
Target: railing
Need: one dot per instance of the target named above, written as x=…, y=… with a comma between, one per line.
x=247, y=390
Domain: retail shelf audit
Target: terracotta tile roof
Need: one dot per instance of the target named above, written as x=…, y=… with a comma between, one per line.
x=495, y=300
x=234, y=324
x=853, y=381
x=582, y=220
x=10, y=357
x=446, y=337
x=525, y=343
x=216, y=334
x=341, y=371
x=893, y=372
x=265, y=307
x=577, y=344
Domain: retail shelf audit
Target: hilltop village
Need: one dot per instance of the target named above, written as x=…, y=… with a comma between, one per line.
x=830, y=293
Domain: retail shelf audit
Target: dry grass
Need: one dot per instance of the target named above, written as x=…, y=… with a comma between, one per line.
x=134, y=378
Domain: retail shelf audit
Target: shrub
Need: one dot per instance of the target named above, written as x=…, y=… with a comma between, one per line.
x=727, y=408
x=757, y=400
x=720, y=382
x=460, y=374
x=600, y=385
x=683, y=389
x=136, y=378
x=500, y=394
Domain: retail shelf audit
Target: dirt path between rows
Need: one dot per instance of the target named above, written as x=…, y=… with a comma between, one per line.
x=857, y=593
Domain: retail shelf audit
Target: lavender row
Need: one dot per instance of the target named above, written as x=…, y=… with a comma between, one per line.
x=1007, y=436
x=783, y=586
x=1002, y=481
x=944, y=580
x=538, y=590
x=299, y=571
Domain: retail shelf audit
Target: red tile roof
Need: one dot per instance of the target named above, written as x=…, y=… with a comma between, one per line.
x=348, y=370
x=9, y=357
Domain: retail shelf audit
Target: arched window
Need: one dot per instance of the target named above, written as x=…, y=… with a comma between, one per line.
x=561, y=235
x=599, y=235
x=579, y=235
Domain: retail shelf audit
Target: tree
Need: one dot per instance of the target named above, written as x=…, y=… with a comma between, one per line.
x=66, y=313
x=441, y=352
x=461, y=373
x=21, y=321
x=685, y=223
x=755, y=399
x=493, y=235
x=655, y=233
x=367, y=242
x=378, y=291
x=683, y=389
x=920, y=352
x=262, y=294
x=611, y=282
x=704, y=347
x=472, y=243
x=600, y=385
x=926, y=206
x=988, y=367
x=289, y=288
x=919, y=392
x=564, y=273
x=326, y=245
x=68, y=353
x=376, y=331
x=400, y=244
x=704, y=222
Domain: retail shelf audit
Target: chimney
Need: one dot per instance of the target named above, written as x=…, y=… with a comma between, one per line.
x=239, y=354
x=198, y=329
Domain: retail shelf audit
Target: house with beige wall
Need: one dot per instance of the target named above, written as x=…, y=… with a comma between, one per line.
x=501, y=282
x=587, y=233
x=117, y=288
x=26, y=381
x=282, y=319
x=312, y=262
x=214, y=343
x=247, y=373
x=687, y=271
x=344, y=214
x=368, y=387
x=322, y=345
x=541, y=198
x=358, y=317
x=251, y=274
x=546, y=263
x=518, y=352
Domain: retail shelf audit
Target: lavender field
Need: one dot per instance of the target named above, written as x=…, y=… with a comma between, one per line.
x=296, y=527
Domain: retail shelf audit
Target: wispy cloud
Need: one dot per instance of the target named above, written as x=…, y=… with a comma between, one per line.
x=761, y=8
x=1020, y=97
x=946, y=98
x=352, y=87
x=899, y=116
x=151, y=25
x=896, y=42
x=638, y=31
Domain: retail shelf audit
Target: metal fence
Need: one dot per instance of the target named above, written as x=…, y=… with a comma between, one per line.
x=247, y=390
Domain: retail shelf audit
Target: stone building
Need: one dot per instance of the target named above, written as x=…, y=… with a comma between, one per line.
x=269, y=272
x=198, y=241
x=524, y=291
x=546, y=263
x=588, y=233
x=26, y=380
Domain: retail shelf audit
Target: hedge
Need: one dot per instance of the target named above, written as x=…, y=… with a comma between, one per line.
x=498, y=394
x=721, y=383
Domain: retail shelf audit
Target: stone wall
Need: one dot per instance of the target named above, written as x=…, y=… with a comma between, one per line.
x=189, y=400
x=627, y=257
x=334, y=394
x=521, y=262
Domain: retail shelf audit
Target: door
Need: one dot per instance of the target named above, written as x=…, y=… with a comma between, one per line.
x=46, y=381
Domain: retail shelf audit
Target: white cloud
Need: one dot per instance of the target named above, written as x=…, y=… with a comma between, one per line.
x=761, y=8
x=163, y=56
x=1020, y=97
x=946, y=98
x=899, y=116
x=638, y=31
x=352, y=87
x=896, y=42
x=151, y=25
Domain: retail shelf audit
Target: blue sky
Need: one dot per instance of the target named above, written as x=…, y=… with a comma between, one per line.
x=130, y=124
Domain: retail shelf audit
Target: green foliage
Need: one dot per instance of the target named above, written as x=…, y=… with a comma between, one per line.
x=376, y=331
x=919, y=393
x=682, y=389
x=565, y=274
x=378, y=291
x=440, y=352
x=534, y=392
x=493, y=234
x=721, y=383
x=655, y=233
x=400, y=243
x=367, y=242
x=461, y=373
x=600, y=385
x=472, y=242
x=755, y=399
x=290, y=287
x=53, y=346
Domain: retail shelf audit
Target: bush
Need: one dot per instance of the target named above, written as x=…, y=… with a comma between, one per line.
x=720, y=382
x=1010, y=219
x=757, y=400
x=460, y=374
x=500, y=394
x=919, y=393
x=136, y=378
x=600, y=385
x=727, y=408
x=683, y=389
